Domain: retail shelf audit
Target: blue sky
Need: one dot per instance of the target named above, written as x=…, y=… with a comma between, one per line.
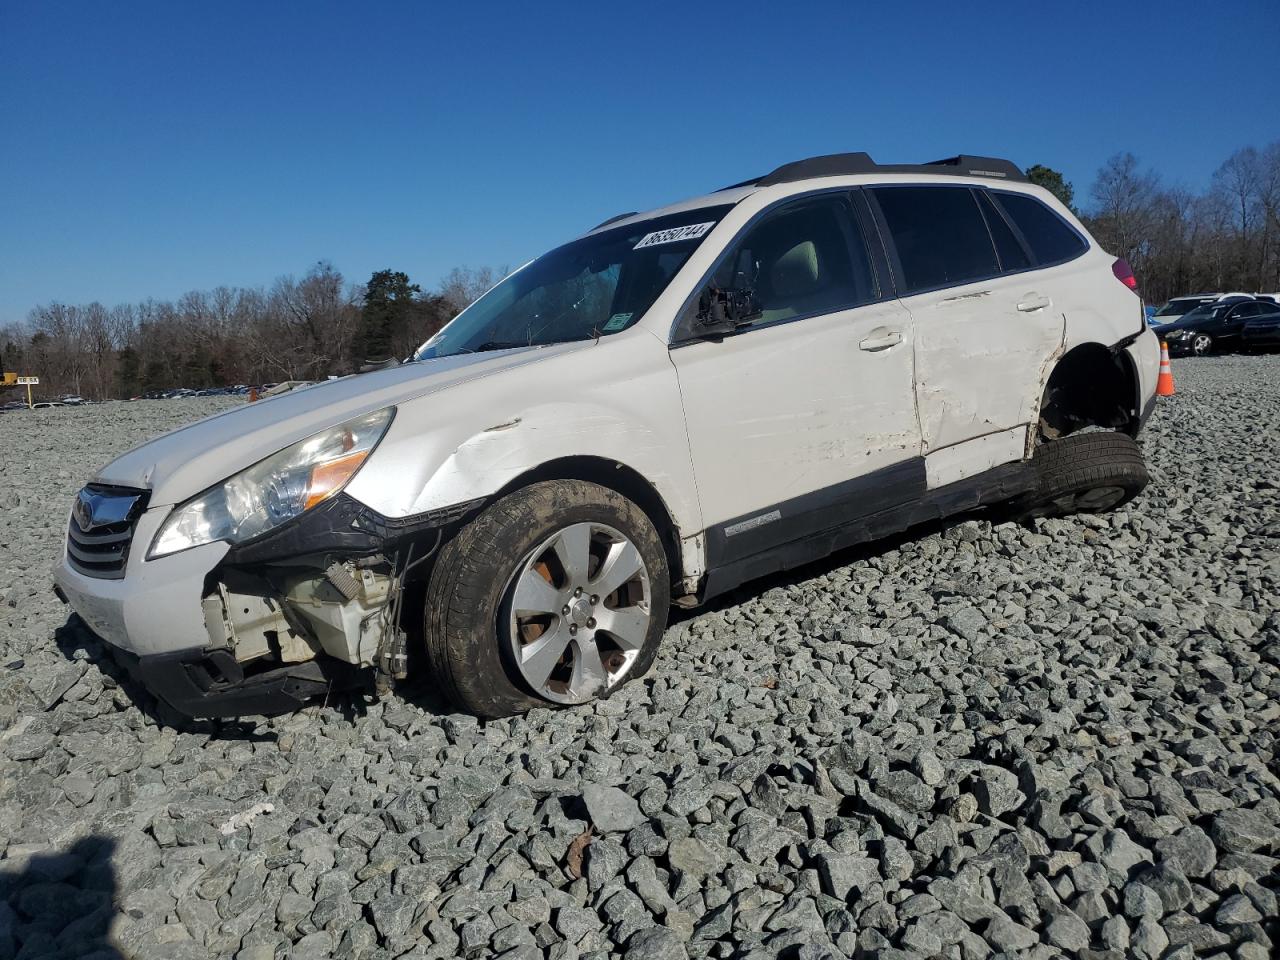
x=151, y=148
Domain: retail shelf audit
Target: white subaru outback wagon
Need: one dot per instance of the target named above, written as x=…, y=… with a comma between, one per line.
x=670, y=405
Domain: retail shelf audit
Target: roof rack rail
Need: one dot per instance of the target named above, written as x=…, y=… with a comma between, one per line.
x=848, y=164
x=605, y=223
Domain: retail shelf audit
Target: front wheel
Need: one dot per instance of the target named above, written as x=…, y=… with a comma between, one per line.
x=1201, y=344
x=1083, y=473
x=555, y=595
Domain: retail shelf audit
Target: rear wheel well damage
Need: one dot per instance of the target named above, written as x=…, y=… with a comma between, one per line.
x=1091, y=386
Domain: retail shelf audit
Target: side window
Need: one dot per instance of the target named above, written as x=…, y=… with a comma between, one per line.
x=804, y=259
x=940, y=235
x=1050, y=239
x=1012, y=255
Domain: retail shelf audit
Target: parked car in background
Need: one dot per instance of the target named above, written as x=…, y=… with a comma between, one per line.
x=1213, y=327
x=1178, y=307
x=1262, y=332
x=46, y=404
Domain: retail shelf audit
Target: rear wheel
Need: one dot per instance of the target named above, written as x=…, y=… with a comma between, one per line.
x=557, y=594
x=1084, y=473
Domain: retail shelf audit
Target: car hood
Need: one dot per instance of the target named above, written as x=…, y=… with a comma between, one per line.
x=177, y=465
x=1182, y=323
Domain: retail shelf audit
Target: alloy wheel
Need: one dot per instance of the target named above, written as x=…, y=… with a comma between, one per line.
x=579, y=611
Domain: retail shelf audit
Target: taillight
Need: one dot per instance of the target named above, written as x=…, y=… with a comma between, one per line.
x=1124, y=273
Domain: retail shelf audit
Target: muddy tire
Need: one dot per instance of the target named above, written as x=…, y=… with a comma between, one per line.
x=502, y=598
x=1083, y=473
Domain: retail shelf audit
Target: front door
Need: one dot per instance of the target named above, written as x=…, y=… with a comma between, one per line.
x=808, y=412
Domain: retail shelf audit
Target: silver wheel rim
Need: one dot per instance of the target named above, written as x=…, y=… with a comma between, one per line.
x=1201, y=344
x=580, y=606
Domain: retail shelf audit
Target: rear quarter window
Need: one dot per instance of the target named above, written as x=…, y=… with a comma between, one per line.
x=1050, y=238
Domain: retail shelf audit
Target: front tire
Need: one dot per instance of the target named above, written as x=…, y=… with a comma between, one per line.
x=1092, y=472
x=553, y=596
x=1201, y=344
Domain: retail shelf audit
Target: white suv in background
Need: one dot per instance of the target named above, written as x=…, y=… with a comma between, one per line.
x=670, y=405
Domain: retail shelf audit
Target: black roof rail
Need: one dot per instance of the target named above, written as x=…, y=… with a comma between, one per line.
x=605, y=223
x=848, y=164
x=967, y=165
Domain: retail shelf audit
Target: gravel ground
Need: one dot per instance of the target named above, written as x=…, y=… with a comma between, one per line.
x=988, y=740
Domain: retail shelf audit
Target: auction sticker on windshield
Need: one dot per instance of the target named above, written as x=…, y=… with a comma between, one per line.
x=689, y=232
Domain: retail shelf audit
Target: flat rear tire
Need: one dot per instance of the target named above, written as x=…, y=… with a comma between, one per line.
x=1093, y=472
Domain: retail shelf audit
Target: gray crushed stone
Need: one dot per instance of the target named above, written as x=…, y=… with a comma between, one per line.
x=984, y=740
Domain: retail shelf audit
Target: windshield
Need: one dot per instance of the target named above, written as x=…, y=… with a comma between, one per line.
x=1176, y=308
x=1205, y=312
x=595, y=286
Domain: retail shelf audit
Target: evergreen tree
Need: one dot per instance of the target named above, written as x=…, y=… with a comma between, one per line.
x=129, y=373
x=1054, y=182
x=389, y=302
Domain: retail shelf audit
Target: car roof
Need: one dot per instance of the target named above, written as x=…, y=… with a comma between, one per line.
x=855, y=168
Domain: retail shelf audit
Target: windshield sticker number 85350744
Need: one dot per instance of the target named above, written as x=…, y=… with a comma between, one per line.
x=690, y=232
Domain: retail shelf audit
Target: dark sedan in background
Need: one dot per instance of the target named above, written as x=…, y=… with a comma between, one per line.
x=1214, y=327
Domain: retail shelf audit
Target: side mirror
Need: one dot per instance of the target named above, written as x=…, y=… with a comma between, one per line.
x=724, y=311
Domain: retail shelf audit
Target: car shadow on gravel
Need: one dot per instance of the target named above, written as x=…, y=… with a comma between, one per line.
x=841, y=558
x=61, y=903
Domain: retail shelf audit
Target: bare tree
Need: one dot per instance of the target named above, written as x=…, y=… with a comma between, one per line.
x=1124, y=215
x=463, y=286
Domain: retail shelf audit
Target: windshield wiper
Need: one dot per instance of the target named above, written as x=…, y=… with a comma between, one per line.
x=499, y=345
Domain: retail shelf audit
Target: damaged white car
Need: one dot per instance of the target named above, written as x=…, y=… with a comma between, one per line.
x=664, y=408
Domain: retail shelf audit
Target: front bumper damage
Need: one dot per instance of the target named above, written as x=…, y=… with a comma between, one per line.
x=204, y=682
x=264, y=626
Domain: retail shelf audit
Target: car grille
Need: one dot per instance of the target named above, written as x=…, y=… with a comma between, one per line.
x=101, y=529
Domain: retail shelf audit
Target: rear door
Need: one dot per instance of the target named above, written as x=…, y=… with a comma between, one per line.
x=986, y=327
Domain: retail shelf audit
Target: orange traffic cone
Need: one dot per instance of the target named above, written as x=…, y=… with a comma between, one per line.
x=1164, y=385
x=253, y=391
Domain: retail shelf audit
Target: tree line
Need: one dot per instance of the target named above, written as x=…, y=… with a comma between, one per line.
x=1225, y=237
x=1178, y=241
x=297, y=329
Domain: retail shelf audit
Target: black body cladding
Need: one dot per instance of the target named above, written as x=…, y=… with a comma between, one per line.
x=877, y=505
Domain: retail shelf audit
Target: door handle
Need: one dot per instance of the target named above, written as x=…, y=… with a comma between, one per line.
x=1033, y=302
x=881, y=338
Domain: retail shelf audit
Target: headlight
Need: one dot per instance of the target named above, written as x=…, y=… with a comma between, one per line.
x=276, y=489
